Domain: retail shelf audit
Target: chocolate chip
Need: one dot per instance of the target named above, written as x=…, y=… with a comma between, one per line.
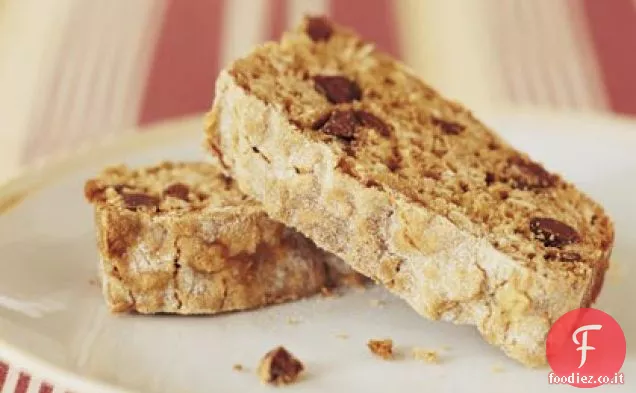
x=448, y=127
x=535, y=176
x=177, y=190
x=319, y=28
x=490, y=178
x=337, y=89
x=136, y=200
x=553, y=233
x=321, y=121
x=368, y=119
x=279, y=367
x=341, y=124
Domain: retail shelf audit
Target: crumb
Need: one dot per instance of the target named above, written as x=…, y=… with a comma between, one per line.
x=279, y=367
x=497, y=368
x=327, y=292
x=343, y=336
x=426, y=355
x=238, y=367
x=293, y=321
x=377, y=303
x=93, y=281
x=381, y=348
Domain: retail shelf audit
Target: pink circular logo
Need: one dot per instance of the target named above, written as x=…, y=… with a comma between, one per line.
x=586, y=348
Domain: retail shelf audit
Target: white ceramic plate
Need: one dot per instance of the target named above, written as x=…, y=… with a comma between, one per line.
x=53, y=321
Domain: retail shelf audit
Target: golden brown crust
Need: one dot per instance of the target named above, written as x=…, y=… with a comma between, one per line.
x=215, y=252
x=441, y=211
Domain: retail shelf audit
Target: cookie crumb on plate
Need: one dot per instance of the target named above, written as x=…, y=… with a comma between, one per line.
x=381, y=348
x=426, y=355
x=238, y=367
x=293, y=320
x=377, y=303
x=279, y=367
x=497, y=368
x=343, y=336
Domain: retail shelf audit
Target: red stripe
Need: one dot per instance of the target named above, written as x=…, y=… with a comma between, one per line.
x=277, y=19
x=4, y=370
x=23, y=383
x=186, y=60
x=613, y=29
x=375, y=20
x=45, y=388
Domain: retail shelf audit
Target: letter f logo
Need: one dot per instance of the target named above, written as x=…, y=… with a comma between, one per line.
x=584, y=347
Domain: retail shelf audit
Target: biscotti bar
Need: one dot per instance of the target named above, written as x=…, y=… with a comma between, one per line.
x=347, y=145
x=181, y=238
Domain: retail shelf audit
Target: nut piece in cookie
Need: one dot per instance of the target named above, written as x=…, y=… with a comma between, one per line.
x=382, y=348
x=279, y=367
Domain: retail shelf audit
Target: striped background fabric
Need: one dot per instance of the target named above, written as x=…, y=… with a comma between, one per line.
x=74, y=72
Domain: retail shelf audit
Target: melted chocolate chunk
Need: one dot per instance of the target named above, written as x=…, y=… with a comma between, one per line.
x=319, y=28
x=137, y=200
x=341, y=124
x=177, y=190
x=532, y=175
x=337, y=89
x=448, y=127
x=553, y=233
x=368, y=119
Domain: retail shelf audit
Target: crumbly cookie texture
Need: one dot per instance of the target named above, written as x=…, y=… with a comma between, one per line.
x=345, y=144
x=279, y=367
x=181, y=238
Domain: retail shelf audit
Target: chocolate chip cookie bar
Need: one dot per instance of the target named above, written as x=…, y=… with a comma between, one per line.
x=347, y=145
x=181, y=238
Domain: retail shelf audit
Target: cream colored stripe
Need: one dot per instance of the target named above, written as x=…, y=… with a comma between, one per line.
x=296, y=9
x=124, y=36
x=52, y=132
x=102, y=74
x=11, y=380
x=588, y=72
x=244, y=26
x=449, y=44
x=530, y=50
x=75, y=111
x=144, y=20
x=30, y=33
x=553, y=28
x=562, y=56
x=34, y=385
